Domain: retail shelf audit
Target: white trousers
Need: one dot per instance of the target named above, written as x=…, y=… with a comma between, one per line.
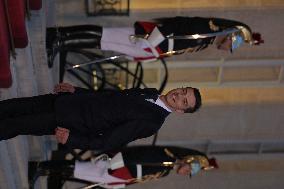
x=96, y=172
x=117, y=39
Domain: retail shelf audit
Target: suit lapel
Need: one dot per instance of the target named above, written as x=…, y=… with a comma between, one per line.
x=153, y=109
x=145, y=108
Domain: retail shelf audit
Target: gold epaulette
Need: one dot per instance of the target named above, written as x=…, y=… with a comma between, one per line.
x=213, y=27
x=203, y=161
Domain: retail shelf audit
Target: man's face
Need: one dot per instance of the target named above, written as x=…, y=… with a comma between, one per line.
x=184, y=169
x=224, y=43
x=180, y=99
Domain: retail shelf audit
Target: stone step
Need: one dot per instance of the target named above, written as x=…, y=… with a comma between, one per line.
x=31, y=76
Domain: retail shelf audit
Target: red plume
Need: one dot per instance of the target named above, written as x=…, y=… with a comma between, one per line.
x=257, y=38
x=213, y=163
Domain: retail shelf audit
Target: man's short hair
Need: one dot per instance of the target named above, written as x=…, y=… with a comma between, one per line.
x=198, y=101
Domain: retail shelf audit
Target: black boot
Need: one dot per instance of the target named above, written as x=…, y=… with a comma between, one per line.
x=33, y=173
x=49, y=168
x=71, y=37
x=53, y=44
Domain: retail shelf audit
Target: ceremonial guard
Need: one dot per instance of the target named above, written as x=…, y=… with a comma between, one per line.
x=129, y=166
x=147, y=41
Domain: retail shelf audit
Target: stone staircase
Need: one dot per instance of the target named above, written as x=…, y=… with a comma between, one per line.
x=31, y=76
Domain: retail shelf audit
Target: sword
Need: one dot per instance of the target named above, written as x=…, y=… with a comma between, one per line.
x=96, y=61
x=202, y=36
x=92, y=186
x=194, y=36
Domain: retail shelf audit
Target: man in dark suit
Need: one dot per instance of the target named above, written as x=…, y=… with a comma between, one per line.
x=159, y=38
x=99, y=121
x=131, y=165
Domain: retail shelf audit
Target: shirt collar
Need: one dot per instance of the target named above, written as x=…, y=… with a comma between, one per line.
x=160, y=103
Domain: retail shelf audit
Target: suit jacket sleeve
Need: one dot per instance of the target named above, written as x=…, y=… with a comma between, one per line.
x=138, y=91
x=117, y=137
x=80, y=90
x=131, y=91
